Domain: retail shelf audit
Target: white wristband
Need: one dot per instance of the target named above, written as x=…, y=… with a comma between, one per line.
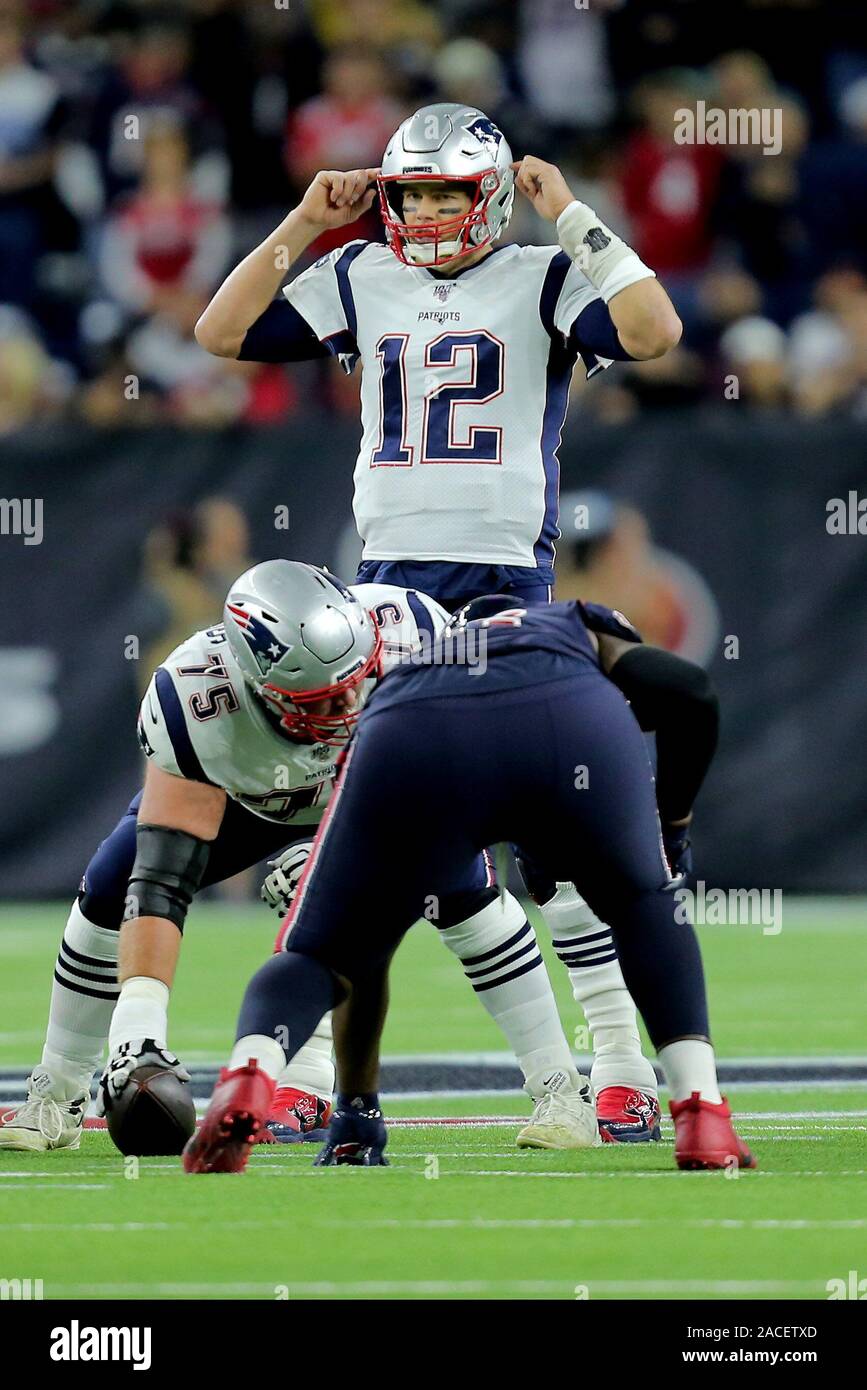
x=607, y=262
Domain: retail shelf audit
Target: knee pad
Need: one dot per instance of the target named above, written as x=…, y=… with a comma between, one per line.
x=103, y=888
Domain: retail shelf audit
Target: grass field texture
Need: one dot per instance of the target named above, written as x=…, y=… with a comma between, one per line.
x=461, y=1212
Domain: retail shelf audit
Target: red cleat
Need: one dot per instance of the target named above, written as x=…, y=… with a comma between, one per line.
x=704, y=1136
x=238, y=1109
x=295, y=1117
x=627, y=1116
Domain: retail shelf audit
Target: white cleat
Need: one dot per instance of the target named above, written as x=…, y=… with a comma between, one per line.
x=52, y=1116
x=563, y=1120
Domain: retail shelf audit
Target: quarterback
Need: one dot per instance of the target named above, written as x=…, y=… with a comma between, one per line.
x=467, y=351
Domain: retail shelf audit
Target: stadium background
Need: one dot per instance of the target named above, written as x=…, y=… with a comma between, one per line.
x=695, y=488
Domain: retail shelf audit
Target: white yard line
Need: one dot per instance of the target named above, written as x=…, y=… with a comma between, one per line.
x=435, y=1287
x=55, y=1186
x=479, y=1223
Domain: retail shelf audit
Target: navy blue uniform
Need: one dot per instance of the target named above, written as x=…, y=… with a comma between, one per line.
x=453, y=585
x=242, y=841
x=539, y=750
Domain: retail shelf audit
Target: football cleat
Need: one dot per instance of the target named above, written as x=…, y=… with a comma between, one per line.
x=704, y=1136
x=563, y=1120
x=296, y=1117
x=356, y=1138
x=52, y=1117
x=627, y=1116
x=238, y=1109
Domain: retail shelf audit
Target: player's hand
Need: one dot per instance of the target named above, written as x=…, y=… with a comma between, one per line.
x=543, y=185
x=126, y=1059
x=678, y=852
x=356, y=1138
x=335, y=198
x=281, y=885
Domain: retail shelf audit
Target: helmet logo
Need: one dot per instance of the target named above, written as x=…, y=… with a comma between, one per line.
x=260, y=639
x=487, y=134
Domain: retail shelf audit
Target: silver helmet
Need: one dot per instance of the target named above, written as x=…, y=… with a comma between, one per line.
x=461, y=145
x=301, y=637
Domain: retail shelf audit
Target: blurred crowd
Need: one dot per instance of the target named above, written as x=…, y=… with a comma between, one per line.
x=145, y=147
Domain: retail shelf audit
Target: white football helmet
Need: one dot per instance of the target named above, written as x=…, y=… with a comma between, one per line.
x=460, y=144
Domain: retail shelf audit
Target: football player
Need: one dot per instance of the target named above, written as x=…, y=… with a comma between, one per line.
x=467, y=350
x=242, y=725
x=543, y=696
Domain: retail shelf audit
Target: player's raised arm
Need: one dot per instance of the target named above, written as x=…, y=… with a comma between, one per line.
x=640, y=318
x=334, y=199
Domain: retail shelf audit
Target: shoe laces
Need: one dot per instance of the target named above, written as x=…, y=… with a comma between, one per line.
x=42, y=1114
x=554, y=1103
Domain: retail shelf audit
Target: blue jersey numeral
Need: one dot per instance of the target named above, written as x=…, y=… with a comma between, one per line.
x=393, y=450
x=446, y=438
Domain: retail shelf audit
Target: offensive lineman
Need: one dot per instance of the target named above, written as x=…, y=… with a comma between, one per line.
x=542, y=695
x=242, y=724
x=468, y=350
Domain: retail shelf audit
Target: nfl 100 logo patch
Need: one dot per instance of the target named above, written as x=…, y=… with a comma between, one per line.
x=442, y=292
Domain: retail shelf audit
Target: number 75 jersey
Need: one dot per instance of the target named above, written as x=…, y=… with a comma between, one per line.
x=200, y=720
x=464, y=391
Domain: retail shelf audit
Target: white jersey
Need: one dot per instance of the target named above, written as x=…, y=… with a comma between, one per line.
x=200, y=720
x=463, y=396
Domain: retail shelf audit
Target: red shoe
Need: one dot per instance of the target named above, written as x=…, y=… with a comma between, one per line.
x=627, y=1116
x=238, y=1109
x=295, y=1117
x=704, y=1137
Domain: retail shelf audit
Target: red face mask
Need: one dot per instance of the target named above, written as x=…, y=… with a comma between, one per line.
x=334, y=729
x=435, y=234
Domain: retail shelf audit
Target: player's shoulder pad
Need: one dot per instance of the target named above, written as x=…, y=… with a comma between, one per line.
x=162, y=724
x=535, y=258
x=332, y=257
x=611, y=621
x=152, y=729
x=408, y=620
x=387, y=596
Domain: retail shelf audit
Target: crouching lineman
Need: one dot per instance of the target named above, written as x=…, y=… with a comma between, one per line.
x=576, y=792
x=242, y=725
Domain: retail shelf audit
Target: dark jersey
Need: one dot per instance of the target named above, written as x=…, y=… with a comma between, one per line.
x=515, y=648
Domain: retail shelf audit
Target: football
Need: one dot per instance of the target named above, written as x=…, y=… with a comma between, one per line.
x=154, y=1113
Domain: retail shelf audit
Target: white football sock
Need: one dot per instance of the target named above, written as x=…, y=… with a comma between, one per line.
x=501, y=959
x=586, y=947
x=689, y=1065
x=83, y=998
x=142, y=1012
x=265, y=1051
x=312, y=1067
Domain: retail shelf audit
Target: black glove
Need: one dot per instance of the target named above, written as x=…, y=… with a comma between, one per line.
x=678, y=852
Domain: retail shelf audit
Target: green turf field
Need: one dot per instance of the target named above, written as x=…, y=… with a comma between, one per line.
x=461, y=1212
